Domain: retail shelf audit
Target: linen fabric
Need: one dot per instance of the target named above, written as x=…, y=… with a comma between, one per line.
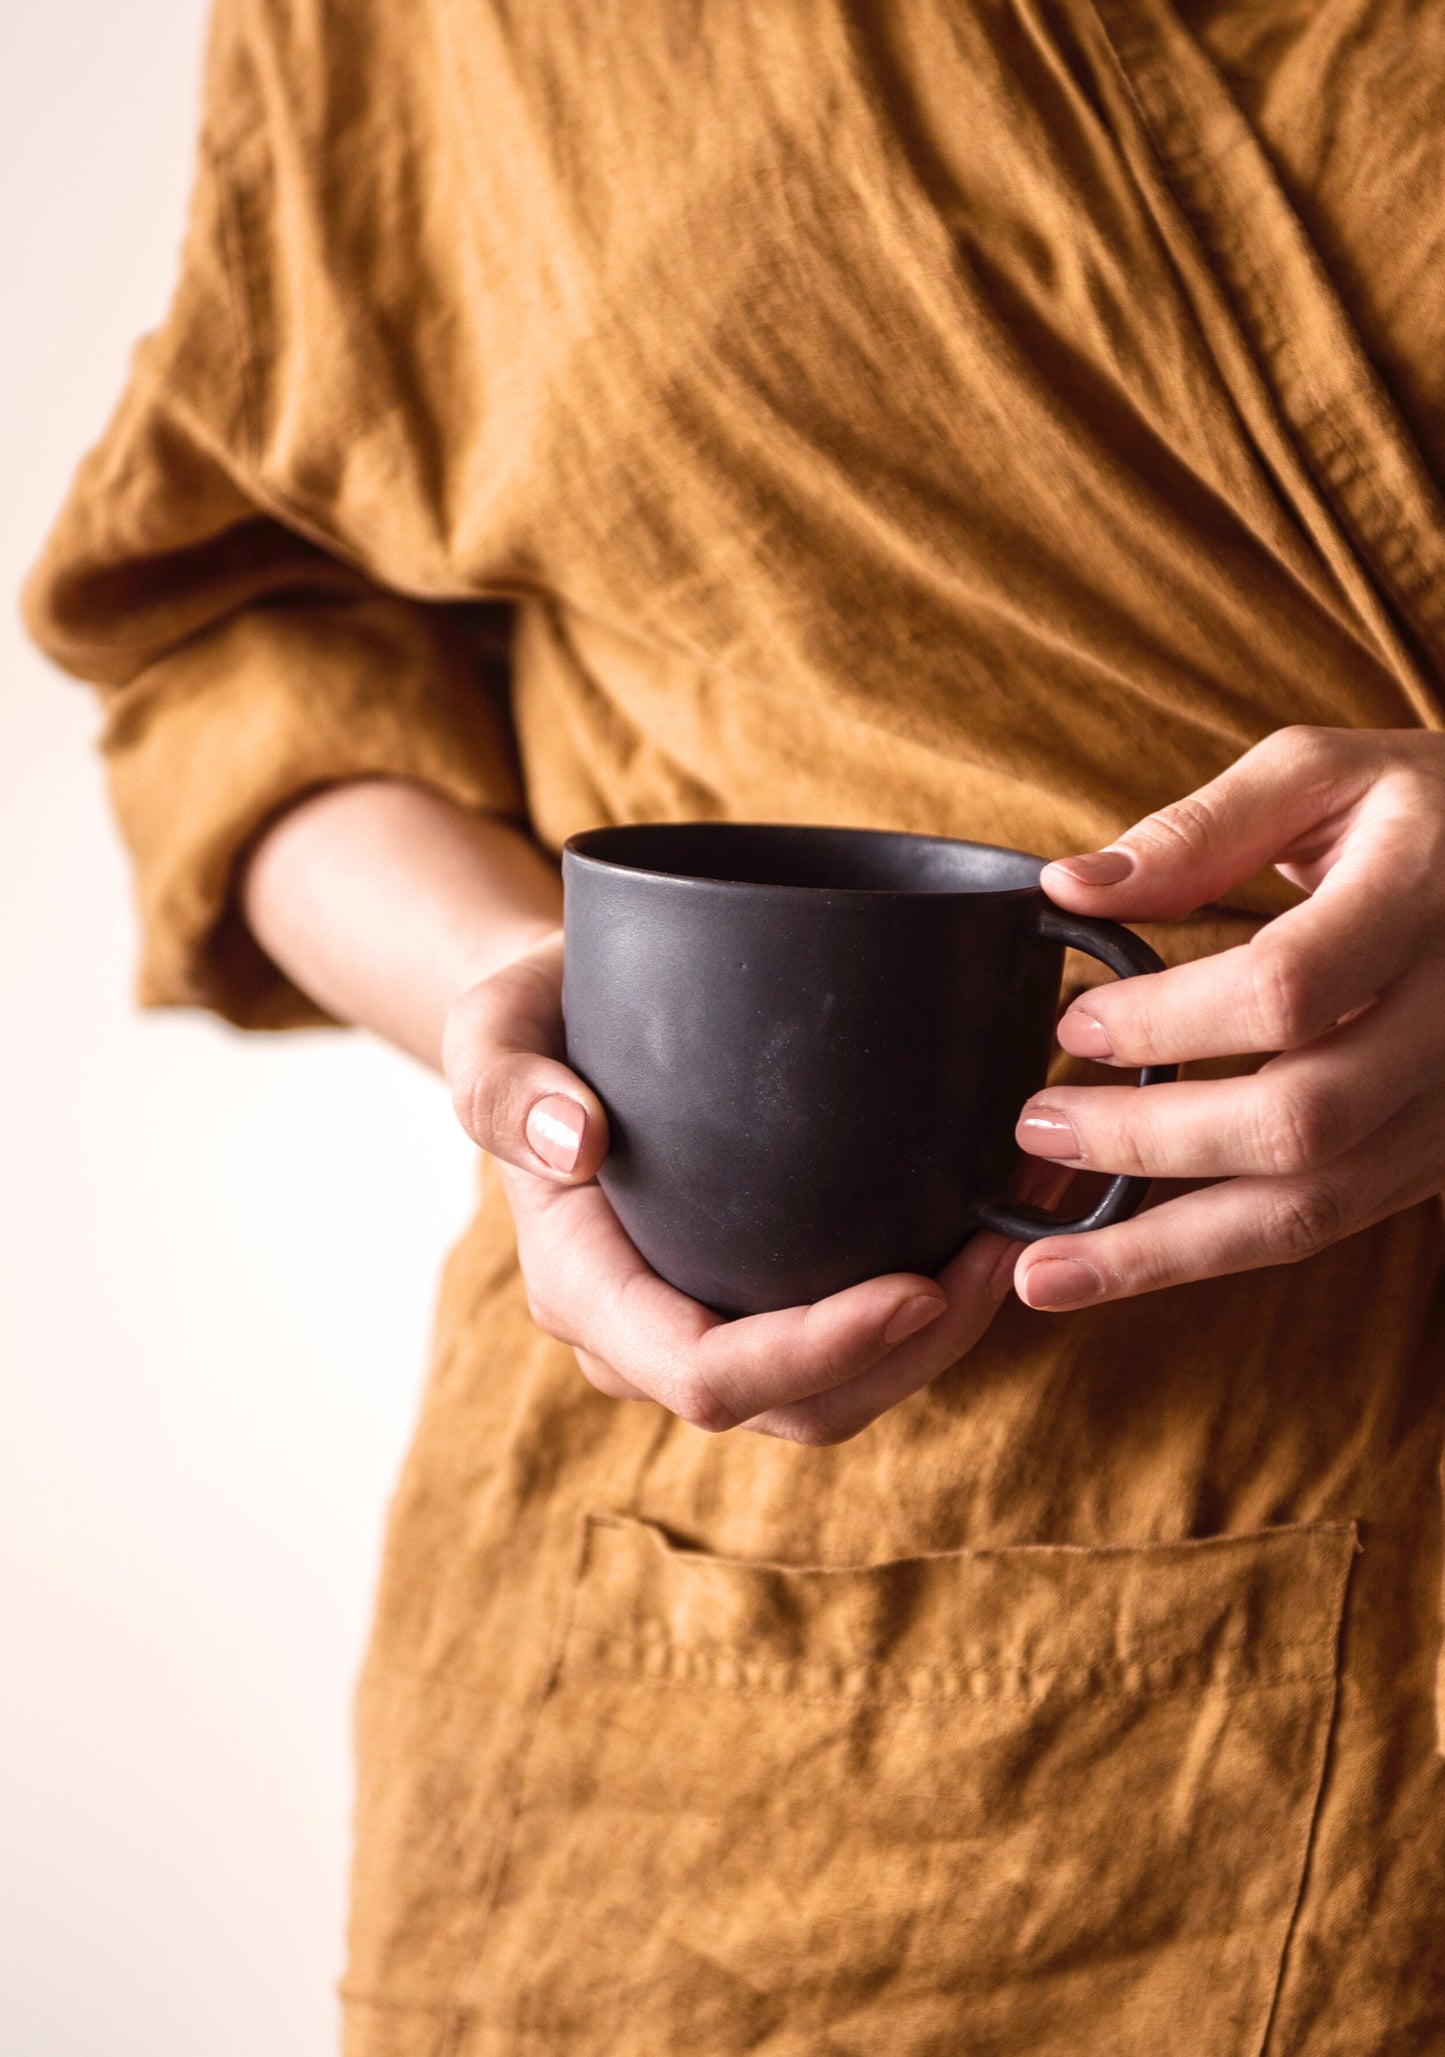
x=987, y=419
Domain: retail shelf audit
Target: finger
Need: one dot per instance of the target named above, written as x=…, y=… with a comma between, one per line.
x=588, y=1285
x=976, y=1281
x=1302, y=973
x=1374, y=848
x=1298, y=1113
x=729, y=1371
x=606, y=1377
x=512, y=1093
x=1295, y=789
x=1242, y=1224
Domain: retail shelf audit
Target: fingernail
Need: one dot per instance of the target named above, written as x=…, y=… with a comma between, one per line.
x=554, y=1130
x=1002, y=1275
x=913, y=1315
x=1061, y=1282
x=1046, y=1131
x=1087, y=1035
x=1098, y=868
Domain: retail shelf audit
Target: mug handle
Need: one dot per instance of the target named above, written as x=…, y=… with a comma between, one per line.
x=1128, y=955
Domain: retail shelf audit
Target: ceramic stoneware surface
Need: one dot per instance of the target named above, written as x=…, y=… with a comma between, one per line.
x=813, y=1045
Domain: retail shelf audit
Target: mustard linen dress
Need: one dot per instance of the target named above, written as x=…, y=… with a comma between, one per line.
x=977, y=416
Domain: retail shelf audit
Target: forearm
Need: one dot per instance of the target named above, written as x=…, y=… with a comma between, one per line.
x=382, y=900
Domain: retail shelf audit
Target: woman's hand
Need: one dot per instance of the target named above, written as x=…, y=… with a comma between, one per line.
x=814, y=1374
x=385, y=901
x=1347, y=1124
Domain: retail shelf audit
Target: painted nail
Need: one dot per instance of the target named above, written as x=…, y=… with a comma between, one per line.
x=1087, y=1035
x=1046, y=1131
x=1098, y=868
x=1061, y=1282
x=913, y=1315
x=555, y=1127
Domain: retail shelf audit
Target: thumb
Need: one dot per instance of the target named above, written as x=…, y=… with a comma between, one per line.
x=511, y=1092
x=1280, y=793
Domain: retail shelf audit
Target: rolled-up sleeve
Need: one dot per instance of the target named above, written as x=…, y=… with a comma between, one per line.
x=240, y=662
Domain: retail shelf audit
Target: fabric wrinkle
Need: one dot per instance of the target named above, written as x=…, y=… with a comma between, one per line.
x=985, y=420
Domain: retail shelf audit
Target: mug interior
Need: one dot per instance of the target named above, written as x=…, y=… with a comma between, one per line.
x=787, y=854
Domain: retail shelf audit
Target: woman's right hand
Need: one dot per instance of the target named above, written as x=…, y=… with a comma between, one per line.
x=385, y=901
x=814, y=1374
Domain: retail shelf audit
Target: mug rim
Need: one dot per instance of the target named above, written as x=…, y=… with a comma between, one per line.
x=574, y=848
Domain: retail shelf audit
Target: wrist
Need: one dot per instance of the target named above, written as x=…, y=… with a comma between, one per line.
x=384, y=900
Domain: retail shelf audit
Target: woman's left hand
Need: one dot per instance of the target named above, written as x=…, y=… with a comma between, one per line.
x=1343, y=1127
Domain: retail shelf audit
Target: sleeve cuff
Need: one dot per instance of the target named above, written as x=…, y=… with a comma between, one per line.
x=220, y=735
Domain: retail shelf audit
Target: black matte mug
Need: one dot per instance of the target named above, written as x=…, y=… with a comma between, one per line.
x=813, y=1045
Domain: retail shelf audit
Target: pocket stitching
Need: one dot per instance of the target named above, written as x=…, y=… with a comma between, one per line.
x=462, y=2009
x=1060, y=1682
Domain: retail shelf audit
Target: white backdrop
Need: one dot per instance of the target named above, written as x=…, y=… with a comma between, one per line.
x=217, y=1257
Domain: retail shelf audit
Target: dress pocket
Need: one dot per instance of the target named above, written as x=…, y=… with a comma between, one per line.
x=1042, y=1802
